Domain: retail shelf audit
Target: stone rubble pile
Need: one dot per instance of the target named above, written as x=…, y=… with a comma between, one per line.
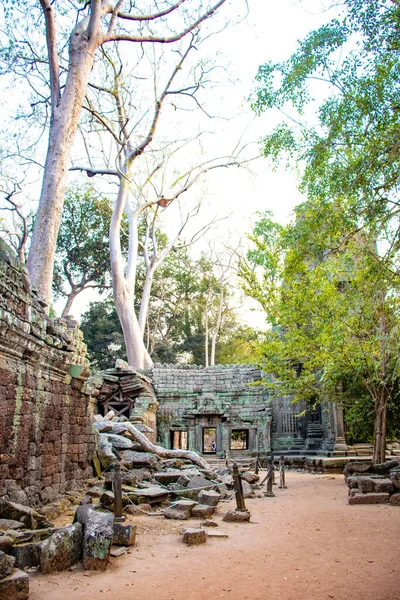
x=373, y=484
x=174, y=487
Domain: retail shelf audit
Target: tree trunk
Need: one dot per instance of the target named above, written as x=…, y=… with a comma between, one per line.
x=163, y=452
x=63, y=127
x=70, y=298
x=381, y=401
x=137, y=355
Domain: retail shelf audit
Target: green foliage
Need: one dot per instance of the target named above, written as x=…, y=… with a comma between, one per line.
x=335, y=315
x=103, y=335
x=82, y=257
x=349, y=142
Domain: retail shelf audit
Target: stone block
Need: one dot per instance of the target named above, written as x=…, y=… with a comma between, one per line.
x=365, y=484
x=395, y=500
x=6, y=543
x=369, y=498
x=250, y=477
x=6, y=564
x=62, y=549
x=15, y=586
x=167, y=477
x=383, y=485
x=194, y=537
x=357, y=467
x=10, y=524
x=137, y=511
x=209, y=497
x=202, y=511
x=236, y=516
x=97, y=540
x=18, y=512
x=395, y=479
x=181, y=510
x=208, y=523
x=124, y=535
x=352, y=482
x=26, y=555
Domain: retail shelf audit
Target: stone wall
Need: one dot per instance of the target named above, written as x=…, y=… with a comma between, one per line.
x=194, y=399
x=46, y=441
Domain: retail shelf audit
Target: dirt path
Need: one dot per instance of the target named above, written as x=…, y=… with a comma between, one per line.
x=305, y=543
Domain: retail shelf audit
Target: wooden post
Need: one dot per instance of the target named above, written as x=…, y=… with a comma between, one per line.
x=269, y=491
x=118, y=517
x=282, y=484
x=237, y=480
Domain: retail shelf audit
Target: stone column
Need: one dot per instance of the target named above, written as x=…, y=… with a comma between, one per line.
x=340, y=447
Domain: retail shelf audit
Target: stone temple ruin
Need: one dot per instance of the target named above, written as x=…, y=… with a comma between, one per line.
x=219, y=411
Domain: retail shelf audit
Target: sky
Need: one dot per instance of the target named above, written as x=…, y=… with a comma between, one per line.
x=234, y=196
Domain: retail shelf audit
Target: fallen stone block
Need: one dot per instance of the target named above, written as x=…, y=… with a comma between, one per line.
x=202, y=511
x=369, y=498
x=167, y=477
x=15, y=586
x=383, y=485
x=250, y=477
x=137, y=511
x=248, y=491
x=6, y=564
x=97, y=540
x=209, y=497
x=395, y=500
x=82, y=514
x=118, y=551
x=180, y=510
x=124, y=535
x=151, y=495
x=6, y=543
x=208, y=523
x=236, y=516
x=194, y=537
x=10, y=524
x=198, y=482
x=127, y=478
x=26, y=555
x=62, y=549
x=386, y=467
x=18, y=512
x=365, y=484
x=357, y=467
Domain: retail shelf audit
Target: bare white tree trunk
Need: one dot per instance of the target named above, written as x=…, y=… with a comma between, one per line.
x=218, y=323
x=64, y=123
x=206, y=332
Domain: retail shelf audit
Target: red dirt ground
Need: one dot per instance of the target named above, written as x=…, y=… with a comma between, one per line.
x=305, y=543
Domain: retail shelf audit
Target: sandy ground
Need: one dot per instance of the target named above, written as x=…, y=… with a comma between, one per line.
x=304, y=543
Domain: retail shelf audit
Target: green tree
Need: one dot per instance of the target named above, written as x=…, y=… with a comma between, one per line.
x=335, y=316
x=83, y=256
x=349, y=141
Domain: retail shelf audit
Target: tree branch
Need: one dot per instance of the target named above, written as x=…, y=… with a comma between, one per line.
x=52, y=53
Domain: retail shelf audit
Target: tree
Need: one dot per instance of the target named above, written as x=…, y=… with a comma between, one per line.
x=348, y=142
x=73, y=35
x=140, y=193
x=82, y=257
x=102, y=334
x=335, y=315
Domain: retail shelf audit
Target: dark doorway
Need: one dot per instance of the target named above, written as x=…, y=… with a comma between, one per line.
x=209, y=440
x=179, y=440
x=240, y=439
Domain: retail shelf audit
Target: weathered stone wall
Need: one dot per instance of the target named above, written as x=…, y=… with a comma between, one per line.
x=194, y=398
x=46, y=441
